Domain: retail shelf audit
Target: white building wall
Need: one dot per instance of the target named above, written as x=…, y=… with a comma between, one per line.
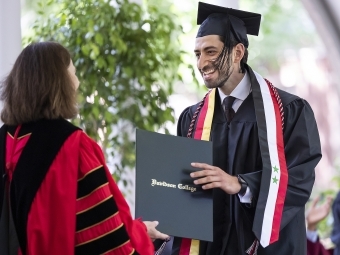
x=10, y=35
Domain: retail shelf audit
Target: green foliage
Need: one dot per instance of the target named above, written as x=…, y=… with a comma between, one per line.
x=127, y=60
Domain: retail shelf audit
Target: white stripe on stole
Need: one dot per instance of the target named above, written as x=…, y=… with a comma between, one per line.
x=273, y=152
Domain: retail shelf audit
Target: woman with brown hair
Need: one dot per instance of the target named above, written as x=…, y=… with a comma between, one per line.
x=56, y=193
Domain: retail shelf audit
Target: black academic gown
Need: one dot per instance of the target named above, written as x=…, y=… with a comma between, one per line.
x=236, y=151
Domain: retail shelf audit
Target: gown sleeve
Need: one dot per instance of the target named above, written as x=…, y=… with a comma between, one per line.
x=302, y=151
x=184, y=122
x=104, y=220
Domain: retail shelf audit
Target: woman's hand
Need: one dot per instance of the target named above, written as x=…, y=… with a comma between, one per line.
x=153, y=232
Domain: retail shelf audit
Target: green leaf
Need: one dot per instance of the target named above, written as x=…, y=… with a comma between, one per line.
x=85, y=49
x=99, y=39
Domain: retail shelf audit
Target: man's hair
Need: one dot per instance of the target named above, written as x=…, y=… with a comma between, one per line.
x=39, y=86
x=227, y=49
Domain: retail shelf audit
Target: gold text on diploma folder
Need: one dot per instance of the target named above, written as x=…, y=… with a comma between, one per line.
x=169, y=185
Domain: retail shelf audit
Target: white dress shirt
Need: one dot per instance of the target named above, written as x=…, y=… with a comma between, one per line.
x=240, y=93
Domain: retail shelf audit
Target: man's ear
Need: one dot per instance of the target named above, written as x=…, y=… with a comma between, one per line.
x=238, y=52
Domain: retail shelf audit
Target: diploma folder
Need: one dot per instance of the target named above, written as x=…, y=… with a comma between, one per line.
x=164, y=189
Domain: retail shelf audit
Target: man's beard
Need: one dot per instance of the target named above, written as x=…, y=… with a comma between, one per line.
x=223, y=76
x=224, y=68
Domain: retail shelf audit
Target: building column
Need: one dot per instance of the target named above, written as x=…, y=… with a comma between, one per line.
x=325, y=16
x=10, y=35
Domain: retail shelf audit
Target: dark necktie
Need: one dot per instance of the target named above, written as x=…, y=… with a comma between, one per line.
x=228, y=109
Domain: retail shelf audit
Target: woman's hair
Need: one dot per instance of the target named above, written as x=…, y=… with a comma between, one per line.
x=39, y=86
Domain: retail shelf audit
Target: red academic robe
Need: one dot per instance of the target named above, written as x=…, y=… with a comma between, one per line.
x=75, y=207
x=317, y=249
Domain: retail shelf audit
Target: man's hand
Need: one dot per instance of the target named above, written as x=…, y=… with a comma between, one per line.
x=153, y=232
x=211, y=177
x=316, y=213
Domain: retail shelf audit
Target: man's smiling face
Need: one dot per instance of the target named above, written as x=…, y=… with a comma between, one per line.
x=207, y=51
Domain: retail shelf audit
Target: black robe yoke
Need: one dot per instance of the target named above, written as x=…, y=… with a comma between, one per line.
x=236, y=151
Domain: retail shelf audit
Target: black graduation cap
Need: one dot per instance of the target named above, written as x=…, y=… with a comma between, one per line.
x=214, y=21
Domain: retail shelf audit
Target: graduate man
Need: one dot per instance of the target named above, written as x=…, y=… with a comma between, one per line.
x=265, y=144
